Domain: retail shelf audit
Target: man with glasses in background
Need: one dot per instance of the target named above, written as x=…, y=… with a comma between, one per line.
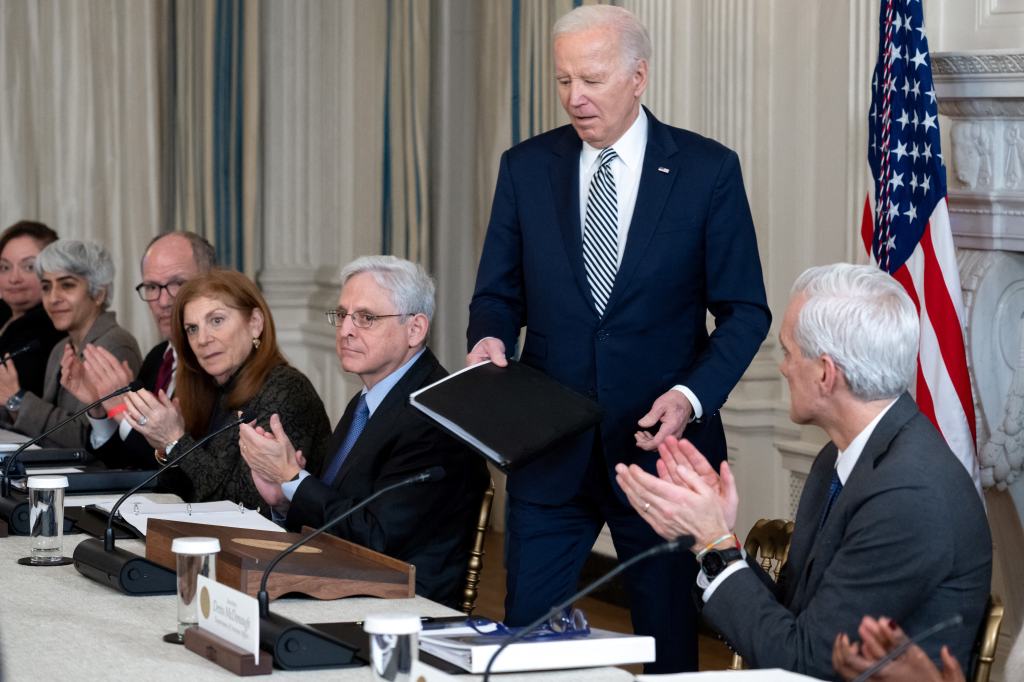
x=381, y=325
x=170, y=260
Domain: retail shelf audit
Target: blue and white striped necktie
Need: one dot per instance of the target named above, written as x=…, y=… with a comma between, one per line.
x=601, y=231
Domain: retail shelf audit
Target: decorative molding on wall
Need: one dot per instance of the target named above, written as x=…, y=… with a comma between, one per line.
x=981, y=62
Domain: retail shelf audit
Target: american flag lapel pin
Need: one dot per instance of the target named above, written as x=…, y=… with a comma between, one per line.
x=662, y=169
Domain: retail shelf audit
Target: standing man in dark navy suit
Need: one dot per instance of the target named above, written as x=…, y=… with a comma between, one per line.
x=610, y=240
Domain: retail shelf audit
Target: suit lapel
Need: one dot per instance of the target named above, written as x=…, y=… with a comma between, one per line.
x=805, y=533
x=652, y=193
x=378, y=427
x=825, y=542
x=565, y=190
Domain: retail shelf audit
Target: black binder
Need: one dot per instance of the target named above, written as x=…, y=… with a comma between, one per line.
x=509, y=414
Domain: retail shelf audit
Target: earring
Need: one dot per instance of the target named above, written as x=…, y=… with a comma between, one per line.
x=255, y=342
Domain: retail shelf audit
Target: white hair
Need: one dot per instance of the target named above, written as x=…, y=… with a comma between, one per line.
x=87, y=260
x=411, y=288
x=863, y=319
x=633, y=36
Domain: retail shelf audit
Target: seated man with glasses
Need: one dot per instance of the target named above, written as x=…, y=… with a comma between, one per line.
x=381, y=325
x=170, y=260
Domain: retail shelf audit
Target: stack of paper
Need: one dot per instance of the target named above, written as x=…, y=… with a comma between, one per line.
x=231, y=514
x=464, y=647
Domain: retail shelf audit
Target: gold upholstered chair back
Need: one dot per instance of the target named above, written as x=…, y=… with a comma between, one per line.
x=476, y=552
x=988, y=638
x=768, y=543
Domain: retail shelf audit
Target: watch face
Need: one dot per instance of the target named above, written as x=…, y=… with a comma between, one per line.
x=713, y=564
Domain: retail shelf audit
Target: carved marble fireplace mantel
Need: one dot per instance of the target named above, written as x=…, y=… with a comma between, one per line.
x=981, y=94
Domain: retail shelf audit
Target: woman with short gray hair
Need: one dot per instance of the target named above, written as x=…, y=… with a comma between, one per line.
x=76, y=283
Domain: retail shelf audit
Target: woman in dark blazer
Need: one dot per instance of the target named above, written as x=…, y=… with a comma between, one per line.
x=27, y=334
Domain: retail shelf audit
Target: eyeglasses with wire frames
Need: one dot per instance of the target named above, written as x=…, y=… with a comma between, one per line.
x=150, y=291
x=361, y=319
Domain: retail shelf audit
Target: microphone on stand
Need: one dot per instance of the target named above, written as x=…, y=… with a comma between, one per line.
x=295, y=646
x=11, y=509
x=952, y=621
x=31, y=345
x=126, y=571
x=682, y=542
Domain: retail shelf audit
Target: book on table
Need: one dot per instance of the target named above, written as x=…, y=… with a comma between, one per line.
x=467, y=648
x=509, y=414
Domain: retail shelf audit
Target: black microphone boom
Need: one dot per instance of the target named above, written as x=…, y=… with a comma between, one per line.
x=126, y=571
x=295, y=646
x=682, y=541
x=13, y=510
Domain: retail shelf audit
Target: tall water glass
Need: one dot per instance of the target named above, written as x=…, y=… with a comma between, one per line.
x=46, y=519
x=196, y=557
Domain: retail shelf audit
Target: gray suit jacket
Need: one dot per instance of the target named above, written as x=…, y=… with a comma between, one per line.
x=39, y=413
x=907, y=538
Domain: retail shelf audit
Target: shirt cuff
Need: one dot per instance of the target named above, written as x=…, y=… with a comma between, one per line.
x=102, y=430
x=290, y=487
x=698, y=411
x=711, y=586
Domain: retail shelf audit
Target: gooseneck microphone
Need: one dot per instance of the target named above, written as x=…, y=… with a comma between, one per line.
x=31, y=345
x=296, y=646
x=898, y=651
x=5, y=483
x=126, y=571
x=682, y=542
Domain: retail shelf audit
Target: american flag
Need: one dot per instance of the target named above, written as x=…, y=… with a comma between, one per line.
x=907, y=234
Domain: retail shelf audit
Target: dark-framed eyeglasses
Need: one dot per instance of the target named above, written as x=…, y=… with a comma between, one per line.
x=360, y=319
x=150, y=291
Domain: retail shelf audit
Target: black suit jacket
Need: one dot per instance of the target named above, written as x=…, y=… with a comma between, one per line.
x=428, y=525
x=907, y=538
x=135, y=452
x=34, y=325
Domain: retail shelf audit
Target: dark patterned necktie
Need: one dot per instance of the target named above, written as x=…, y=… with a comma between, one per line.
x=834, y=488
x=166, y=371
x=601, y=231
x=359, y=420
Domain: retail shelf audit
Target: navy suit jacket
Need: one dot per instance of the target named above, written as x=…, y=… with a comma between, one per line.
x=691, y=250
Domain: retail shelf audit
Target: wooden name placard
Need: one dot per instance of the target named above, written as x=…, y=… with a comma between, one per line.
x=326, y=568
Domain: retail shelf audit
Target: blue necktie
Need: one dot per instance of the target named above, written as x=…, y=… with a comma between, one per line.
x=834, y=488
x=359, y=420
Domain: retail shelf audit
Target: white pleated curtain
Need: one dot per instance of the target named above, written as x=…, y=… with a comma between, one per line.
x=124, y=118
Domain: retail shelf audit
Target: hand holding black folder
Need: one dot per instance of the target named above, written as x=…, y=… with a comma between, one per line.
x=509, y=414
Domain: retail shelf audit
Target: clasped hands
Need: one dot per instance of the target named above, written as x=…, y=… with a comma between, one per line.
x=877, y=638
x=271, y=457
x=99, y=373
x=672, y=410
x=687, y=497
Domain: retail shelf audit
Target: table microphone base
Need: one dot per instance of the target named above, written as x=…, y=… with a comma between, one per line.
x=297, y=647
x=14, y=512
x=124, y=571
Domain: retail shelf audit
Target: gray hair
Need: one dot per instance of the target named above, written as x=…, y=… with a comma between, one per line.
x=633, y=36
x=411, y=288
x=203, y=253
x=87, y=260
x=863, y=319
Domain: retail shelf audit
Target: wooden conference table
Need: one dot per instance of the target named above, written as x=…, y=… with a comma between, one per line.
x=57, y=624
